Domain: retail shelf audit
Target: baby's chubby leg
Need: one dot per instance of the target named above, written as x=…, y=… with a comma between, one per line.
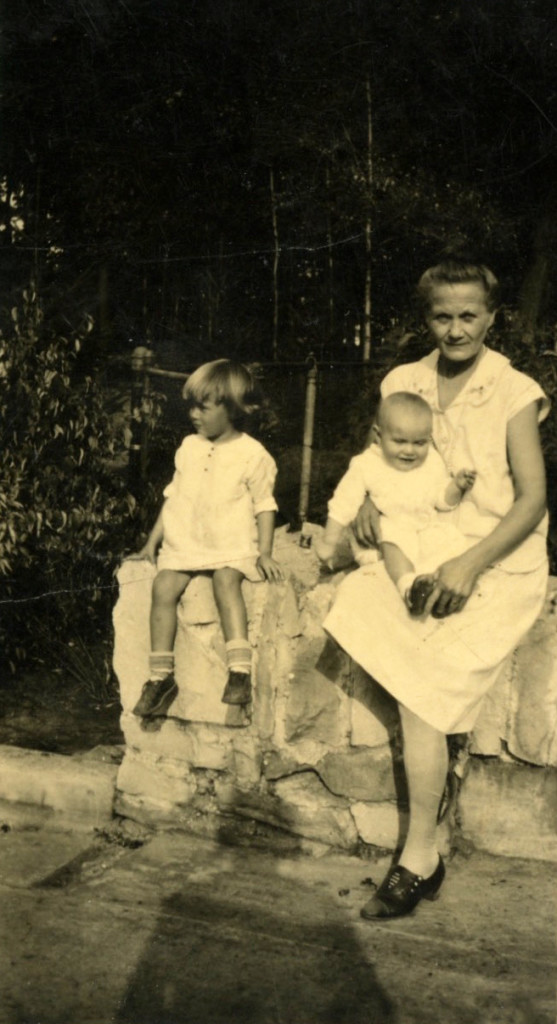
x=227, y=588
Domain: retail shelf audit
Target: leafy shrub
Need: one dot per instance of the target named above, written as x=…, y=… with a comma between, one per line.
x=66, y=515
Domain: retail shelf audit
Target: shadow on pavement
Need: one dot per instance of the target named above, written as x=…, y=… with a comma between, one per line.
x=219, y=961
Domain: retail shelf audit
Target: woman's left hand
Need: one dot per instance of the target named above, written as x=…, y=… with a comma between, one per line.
x=455, y=581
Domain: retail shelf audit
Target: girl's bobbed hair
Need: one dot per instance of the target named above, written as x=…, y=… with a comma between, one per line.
x=227, y=383
x=458, y=271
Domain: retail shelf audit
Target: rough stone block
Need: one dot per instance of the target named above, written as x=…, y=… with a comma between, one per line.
x=374, y=715
x=378, y=824
x=317, y=707
x=359, y=774
x=159, y=780
x=491, y=725
x=247, y=760
x=510, y=810
x=299, y=804
x=521, y=708
x=308, y=809
x=82, y=790
x=199, y=745
x=532, y=722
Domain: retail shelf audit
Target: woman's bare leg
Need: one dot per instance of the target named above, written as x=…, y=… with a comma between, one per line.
x=426, y=761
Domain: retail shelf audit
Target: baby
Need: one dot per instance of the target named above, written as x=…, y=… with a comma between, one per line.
x=408, y=482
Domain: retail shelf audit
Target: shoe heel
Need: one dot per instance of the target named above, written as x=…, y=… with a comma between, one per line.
x=432, y=896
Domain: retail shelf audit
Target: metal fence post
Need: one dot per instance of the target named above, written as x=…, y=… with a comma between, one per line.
x=142, y=357
x=307, y=446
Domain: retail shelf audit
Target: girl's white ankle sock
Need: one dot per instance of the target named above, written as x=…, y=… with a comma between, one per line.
x=238, y=656
x=161, y=664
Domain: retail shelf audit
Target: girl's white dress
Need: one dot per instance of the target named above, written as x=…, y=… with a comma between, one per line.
x=442, y=668
x=209, y=515
x=408, y=503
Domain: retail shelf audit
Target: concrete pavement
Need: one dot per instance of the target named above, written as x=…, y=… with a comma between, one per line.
x=187, y=929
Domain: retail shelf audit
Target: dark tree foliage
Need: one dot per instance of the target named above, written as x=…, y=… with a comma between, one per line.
x=141, y=136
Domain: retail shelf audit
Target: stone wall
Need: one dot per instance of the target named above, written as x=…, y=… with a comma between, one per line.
x=318, y=751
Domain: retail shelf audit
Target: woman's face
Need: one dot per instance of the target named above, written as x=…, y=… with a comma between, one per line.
x=459, y=320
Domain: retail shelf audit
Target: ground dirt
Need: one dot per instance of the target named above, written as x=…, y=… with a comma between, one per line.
x=51, y=711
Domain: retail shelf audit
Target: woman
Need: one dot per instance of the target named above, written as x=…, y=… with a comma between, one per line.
x=439, y=667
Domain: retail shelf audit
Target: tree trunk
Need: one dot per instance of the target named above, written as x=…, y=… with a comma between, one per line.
x=534, y=290
x=369, y=184
x=275, y=263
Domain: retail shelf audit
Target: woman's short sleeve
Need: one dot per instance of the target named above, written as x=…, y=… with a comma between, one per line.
x=522, y=392
x=398, y=379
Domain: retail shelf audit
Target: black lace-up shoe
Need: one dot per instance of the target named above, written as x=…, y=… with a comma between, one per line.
x=401, y=891
x=156, y=697
x=237, y=689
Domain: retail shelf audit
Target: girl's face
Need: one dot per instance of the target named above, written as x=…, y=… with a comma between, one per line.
x=211, y=420
x=459, y=320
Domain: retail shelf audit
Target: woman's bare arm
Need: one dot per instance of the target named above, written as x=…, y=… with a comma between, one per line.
x=456, y=578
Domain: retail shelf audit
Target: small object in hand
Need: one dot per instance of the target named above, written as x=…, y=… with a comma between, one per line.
x=420, y=591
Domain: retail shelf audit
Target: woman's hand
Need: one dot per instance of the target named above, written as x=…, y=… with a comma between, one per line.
x=455, y=581
x=366, y=525
x=269, y=569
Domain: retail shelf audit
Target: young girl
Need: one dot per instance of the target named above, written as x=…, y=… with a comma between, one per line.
x=218, y=517
x=408, y=482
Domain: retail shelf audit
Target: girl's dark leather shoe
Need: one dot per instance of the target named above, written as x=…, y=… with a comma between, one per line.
x=401, y=891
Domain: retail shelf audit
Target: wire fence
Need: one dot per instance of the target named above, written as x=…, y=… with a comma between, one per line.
x=319, y=415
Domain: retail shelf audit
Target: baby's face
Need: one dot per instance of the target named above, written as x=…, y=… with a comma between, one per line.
x=404, y=437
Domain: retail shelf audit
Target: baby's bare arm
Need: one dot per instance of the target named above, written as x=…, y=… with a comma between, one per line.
x=461, y=482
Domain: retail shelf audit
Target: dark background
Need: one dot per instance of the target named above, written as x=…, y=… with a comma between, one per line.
x=238, y=178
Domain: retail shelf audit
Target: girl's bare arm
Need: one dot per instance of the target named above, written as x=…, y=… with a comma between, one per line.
x=149, y=549
x=268, y=568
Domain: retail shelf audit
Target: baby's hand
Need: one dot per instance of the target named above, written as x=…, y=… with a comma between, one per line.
x=465, y=479
x=269, y=569
x=324, y=551
x=146, y=553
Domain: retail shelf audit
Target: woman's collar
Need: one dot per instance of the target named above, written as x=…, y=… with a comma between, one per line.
x=478, y=388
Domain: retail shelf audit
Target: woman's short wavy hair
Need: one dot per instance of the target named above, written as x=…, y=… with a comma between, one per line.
x=227, y=383
x=457, y=271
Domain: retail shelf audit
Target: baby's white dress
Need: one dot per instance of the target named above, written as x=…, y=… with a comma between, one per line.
x=412, y=506
x=441, y=668
x=209, y=515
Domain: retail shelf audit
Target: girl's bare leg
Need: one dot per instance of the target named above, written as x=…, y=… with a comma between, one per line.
x=234, y=620
x=168, y=587
x=230, y=603
x=160, y=689
x=426, y=761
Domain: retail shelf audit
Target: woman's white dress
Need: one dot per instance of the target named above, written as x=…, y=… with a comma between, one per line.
x=209, y=515
x=441, y=668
